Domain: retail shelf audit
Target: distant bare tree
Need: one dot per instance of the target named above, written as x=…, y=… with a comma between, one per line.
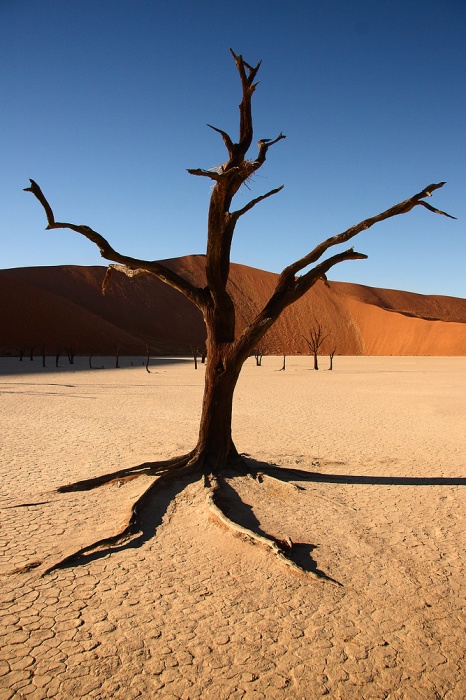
x=258, y=355
x=20, y=351
x=283, y=367
x=70, y=352
x=198, y=351
x=194, y=353
x=332, y=355
x=147, y=359
x=315, y=340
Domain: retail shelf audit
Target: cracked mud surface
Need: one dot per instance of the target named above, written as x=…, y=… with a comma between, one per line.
x=197, y=613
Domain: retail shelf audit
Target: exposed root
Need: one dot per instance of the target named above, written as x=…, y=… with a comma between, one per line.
x=134, y=531
x=147, y=468
x=274, y=545
x=131, y=528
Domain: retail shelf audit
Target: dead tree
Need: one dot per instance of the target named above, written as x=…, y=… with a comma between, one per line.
x=194, y=353
x=331, y=356
x=315, y=340
x=215, y=454
x=258, y=354
x=198, y=351
x=70, y=353
x=147, y=359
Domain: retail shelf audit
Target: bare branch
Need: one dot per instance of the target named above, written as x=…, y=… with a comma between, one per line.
x=127, y=264
x=284, y=295
x=121, y=268
x=226, y=139
x=253, y=202
x=264, y=145
x=241, y=64
x=212, y=174
x=304, y=283
x=436, y=211
x=247, y=82
x=401, y=208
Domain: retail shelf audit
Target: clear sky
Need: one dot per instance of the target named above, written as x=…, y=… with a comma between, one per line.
x=105, y=104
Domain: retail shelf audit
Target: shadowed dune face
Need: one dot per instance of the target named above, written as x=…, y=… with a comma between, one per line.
x=59, y=307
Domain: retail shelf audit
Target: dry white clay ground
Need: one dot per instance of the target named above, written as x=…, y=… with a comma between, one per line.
x=192, y=611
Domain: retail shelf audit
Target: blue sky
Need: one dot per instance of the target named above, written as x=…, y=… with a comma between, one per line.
x=105, y=104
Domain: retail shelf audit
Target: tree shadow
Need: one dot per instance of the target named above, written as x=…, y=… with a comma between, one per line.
x=151, y=514
x=291, y=474
x=149, y=518
x=11, y=366
x=242, y=513
x=153, y=508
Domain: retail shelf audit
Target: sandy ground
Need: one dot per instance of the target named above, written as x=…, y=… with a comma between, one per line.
x=194, y=612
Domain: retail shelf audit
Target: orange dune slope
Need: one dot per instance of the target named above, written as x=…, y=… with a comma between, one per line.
x=60, y=307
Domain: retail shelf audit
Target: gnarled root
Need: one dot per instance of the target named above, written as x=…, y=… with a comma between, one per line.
x=165, y=471
x=148, y=468
x=277, y=547
x=134, y=532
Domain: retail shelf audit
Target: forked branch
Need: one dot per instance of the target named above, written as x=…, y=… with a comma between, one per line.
x=401, y=208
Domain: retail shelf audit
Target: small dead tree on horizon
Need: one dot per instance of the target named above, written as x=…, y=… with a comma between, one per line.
x=315, y=341
x=70, y=352
x=258, y=355
x=215, y=455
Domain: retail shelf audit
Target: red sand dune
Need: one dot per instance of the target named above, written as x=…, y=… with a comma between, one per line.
x=60, y=307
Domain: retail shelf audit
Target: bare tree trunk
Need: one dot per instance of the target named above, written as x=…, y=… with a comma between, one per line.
x=70, y=353
x=215, y=448
x=332, y=354
x=283, y=367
